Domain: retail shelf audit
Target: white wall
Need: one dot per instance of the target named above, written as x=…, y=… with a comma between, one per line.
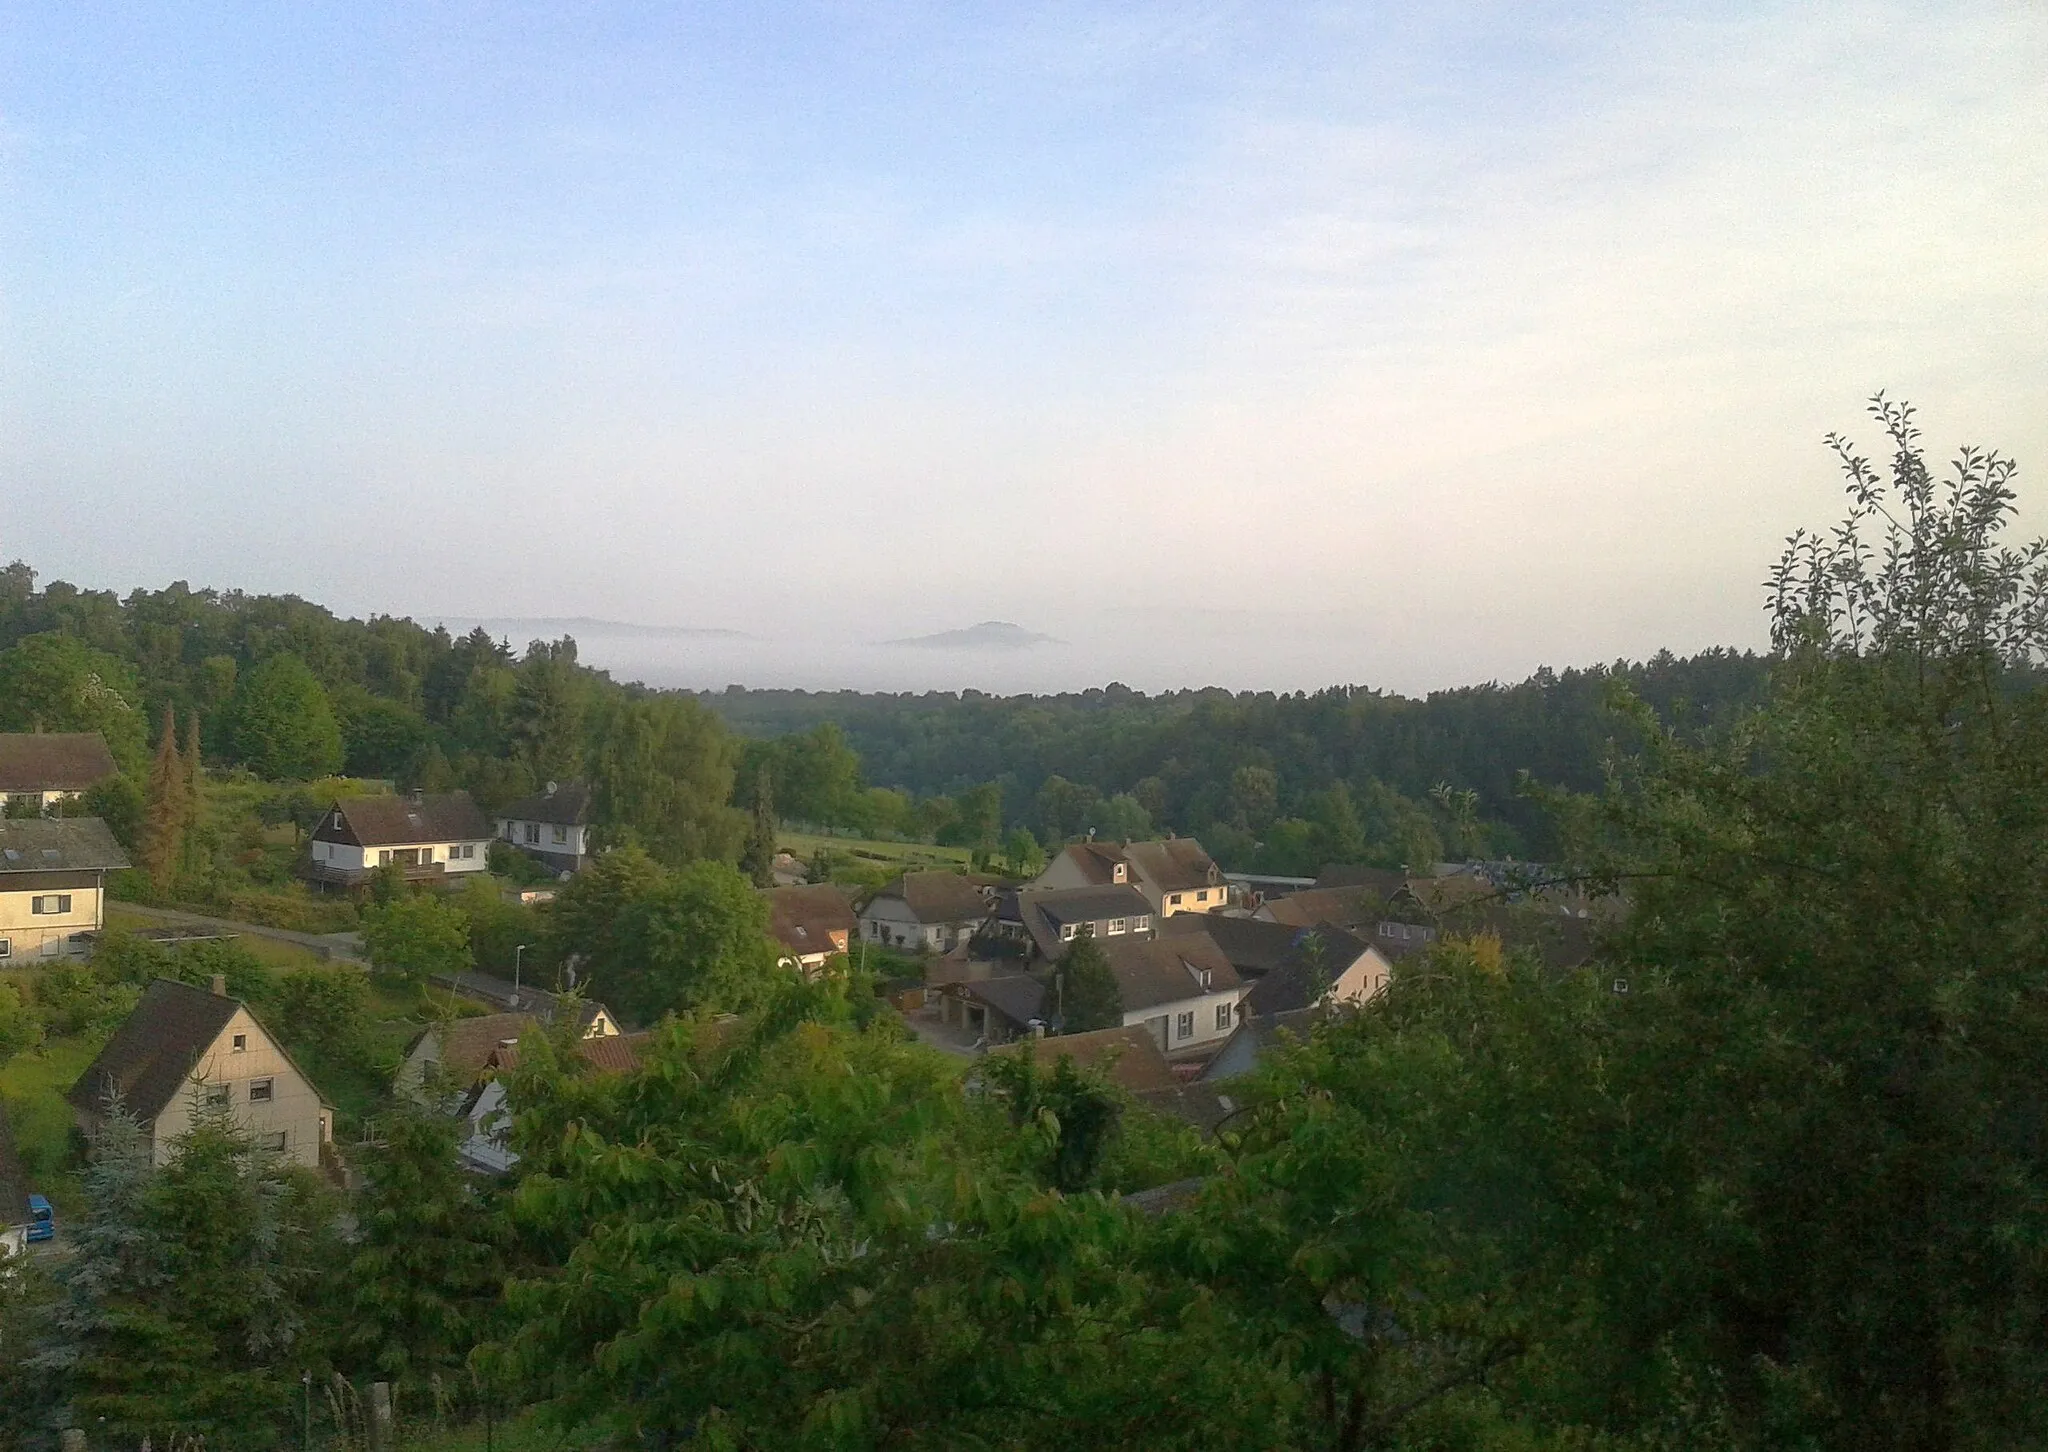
x=1206, y=1032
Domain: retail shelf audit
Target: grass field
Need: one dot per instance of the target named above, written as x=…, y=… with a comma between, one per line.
x=34, y=1084
x=880, y=854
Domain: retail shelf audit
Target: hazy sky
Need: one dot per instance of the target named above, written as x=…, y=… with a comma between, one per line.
x=1258, y=344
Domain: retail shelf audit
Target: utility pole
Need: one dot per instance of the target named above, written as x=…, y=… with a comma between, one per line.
x=518, y=955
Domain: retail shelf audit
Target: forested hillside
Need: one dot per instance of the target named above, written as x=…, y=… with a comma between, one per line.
x=1233, y=768
x=1279, y=783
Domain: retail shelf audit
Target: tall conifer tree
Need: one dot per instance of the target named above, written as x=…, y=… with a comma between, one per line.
x=758, y=860
x=163, y=812
x=191, y=799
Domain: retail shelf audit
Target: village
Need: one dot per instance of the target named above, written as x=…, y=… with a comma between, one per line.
x=1207, y=967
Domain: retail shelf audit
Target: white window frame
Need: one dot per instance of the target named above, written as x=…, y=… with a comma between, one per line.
x=1184, y=1025
x=40, y=904
x=239, y=1044
x=561, y=835
x=267, y=1088
x=276, y=1141
x=1116, y=925
x=221, y=1095
x=6, y=947
x=1223, y=1016
x=1067, y=933
x=533, y=834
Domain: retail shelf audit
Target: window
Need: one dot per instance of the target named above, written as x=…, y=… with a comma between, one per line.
x=1386, y=930
x=426, y=855
x=216, y=1095
x=1067, y=933
x=1222, y=1016
x=384, y=857
x=1120, y=872
x=1185, y=1028
x=50, y=903
x=239, y=1043
x=1138, y=925
x=1173, y=901
x=260, y=1090
x=1202, y=896
x=533, y=832
x=6, y=947
x=561, y=834
x=274, y=1142
x=1116, y=925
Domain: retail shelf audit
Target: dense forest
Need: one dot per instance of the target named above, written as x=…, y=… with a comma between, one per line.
x=1274, y=783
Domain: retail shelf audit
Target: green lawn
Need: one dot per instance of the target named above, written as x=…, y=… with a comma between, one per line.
x=888, y=854
x=34, y=1085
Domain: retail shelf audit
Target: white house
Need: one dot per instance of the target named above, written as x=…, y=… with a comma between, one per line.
x=930, y=912
x=1181, y=989
x=1050, y=920
x=53, y=873
x=551, y=826
x=432, y=836
x=43, y=768
x=1175, y=876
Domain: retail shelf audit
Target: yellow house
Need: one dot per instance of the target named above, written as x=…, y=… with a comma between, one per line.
x=53, y=874
x=184, y=1049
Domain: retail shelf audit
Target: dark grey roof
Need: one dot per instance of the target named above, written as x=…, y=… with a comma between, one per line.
x=1316, y=953
x=388, y=821
x=1018, y=996
x=1383, y=882
x=58, y=844
x=1177, y=864
x=566, y=804
x=1078, y=905
x=53, y=761
x=152, y=1055
x=1152, y=971
x=1253, y=945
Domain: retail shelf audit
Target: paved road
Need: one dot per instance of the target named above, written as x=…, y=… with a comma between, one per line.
x=342, y=947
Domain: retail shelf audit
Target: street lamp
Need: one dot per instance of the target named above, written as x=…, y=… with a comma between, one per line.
x=517, y=954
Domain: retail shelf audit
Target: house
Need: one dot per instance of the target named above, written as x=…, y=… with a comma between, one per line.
x=501, y=996
x=1181, y=989
x=184, y=1047
x=1316, y=907
x=1000, y=1009
x=1175, y=876
x=485, y=1146
x=1256, y=1035
x=810, y=923
x=1045, y=921
x=455, y=1053
x=53, y=877
x=1290, y=967
x=43, y=768
x=931, y=912
x=552, y=826
x=431, y=836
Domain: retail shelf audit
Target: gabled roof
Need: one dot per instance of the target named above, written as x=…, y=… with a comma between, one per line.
x=614, y=1054
x=565, y=804
x=1304, y=975
x=1176, y=865
x=1017, y=996
x=151, y=1056
x=803, y=919
x=1253, y=945
x=1345, y=907
x=53, y=761
x=1152, y=971
x=1128, y=1056
x=1097, y=861
x=466, y=1044
x=1044, y=911
x=388, y=821
x=938, y=897
x=58, y=844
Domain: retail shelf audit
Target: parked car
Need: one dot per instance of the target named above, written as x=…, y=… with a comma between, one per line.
x=42, y=1222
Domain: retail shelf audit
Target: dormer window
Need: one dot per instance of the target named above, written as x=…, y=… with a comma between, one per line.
x=1118, y=873
x=1205, y=978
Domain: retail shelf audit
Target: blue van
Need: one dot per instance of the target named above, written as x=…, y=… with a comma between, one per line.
x=42, y=1224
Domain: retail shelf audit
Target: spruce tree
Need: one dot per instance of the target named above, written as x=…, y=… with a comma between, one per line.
x=758, y=860
x=163, y=812
x=192, y=799
x=1089, y=997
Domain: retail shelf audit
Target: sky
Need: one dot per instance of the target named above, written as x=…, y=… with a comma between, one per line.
x=1255, y=345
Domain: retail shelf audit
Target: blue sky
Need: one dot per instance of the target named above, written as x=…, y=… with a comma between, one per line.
x=1434, y=343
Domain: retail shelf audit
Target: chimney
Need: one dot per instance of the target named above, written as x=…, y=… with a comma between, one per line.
x=220, y=985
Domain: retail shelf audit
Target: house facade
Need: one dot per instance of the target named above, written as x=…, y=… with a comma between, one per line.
x=927, y=912
x=42, y=768
x=1174, y=875
x=551, y=826
x=1180, y=989
x=431, y=836
x=53, y=874
x=186, y=1049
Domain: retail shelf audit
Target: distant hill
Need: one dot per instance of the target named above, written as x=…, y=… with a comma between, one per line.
x=989, y=635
